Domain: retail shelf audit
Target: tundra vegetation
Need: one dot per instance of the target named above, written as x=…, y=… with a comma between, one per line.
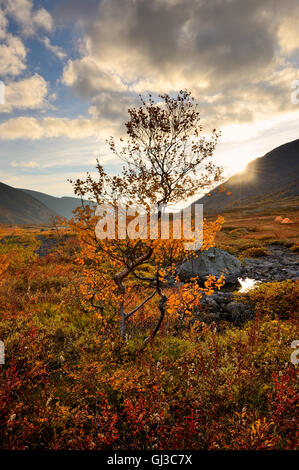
x=102, y=352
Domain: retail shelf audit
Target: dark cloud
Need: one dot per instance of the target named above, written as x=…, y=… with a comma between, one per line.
x=231, y=53
x=74, y=10
x=212, y=36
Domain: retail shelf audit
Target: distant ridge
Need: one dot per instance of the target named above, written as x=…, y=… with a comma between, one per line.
x=63, y=206
x=17, y=207
x=274, y=176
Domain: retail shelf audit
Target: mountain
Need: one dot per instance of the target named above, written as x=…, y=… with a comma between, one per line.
x=17, y=207
x=273, y=177
x=63, y=206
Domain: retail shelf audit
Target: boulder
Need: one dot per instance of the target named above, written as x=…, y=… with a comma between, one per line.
x=213, y=261
x=210, y=304
x=239, y=313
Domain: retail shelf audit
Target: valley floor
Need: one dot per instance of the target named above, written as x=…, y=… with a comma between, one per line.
x=68, y=383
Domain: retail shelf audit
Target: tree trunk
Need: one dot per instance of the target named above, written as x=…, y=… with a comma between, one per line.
x=122, y=321
x=162, y=303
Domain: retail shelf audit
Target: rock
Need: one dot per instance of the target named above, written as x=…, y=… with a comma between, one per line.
x=211, y=303
x=235, y=307
x=239, y=313
x=225, y=316
x=213, y=261
x=210, y=317
x=280, y=264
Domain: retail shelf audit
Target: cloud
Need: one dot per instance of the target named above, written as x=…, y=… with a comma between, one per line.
x=43, y=20
x=288, y=32
x=12, y=49
x=29, y=93
x=3, y=24
x=29, y=20
x=238, y=58
x=56, y=50
x=21, y=128
x=88, y=77
x=31, y=128
x=72, y=11
x=230, y=53
x=12, y=56
x=23, y=164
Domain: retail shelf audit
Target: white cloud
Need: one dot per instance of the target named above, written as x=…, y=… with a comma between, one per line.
x=21, y=128
x=88, y=77
x=29, y=93
x=43, y=20
x=57, y=50
x=12, y=56
x=27, y=18
x=12, y=49
x=24, y=164
x=35, y=129
x=288, y=32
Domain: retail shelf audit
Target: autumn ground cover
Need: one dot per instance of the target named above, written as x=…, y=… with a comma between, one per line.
x=69, y=382
x=256, y=227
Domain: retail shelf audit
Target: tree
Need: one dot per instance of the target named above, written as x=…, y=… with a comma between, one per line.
x=166, y=160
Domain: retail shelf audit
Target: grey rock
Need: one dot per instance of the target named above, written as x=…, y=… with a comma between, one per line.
x=235, y=307
x=280, y=264
x=239, y=313
x=210, y=317
x=213, y=261
x=212, y=304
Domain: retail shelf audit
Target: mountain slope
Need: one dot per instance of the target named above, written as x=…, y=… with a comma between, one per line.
x=17, y=207
x=63, y=206
x=274, y=176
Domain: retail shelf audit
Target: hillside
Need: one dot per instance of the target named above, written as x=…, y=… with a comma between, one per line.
x=271, y=177
x=63, y=206
x=17, y=207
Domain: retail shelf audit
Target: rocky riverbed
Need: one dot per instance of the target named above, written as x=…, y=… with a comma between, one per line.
x=221, y=306
x=279, y=265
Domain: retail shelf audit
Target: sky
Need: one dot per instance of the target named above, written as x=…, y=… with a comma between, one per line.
x=71, y=69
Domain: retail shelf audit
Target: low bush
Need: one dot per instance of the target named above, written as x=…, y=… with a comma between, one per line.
x=277, y=299
x=281, y=242
x=254, y=252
